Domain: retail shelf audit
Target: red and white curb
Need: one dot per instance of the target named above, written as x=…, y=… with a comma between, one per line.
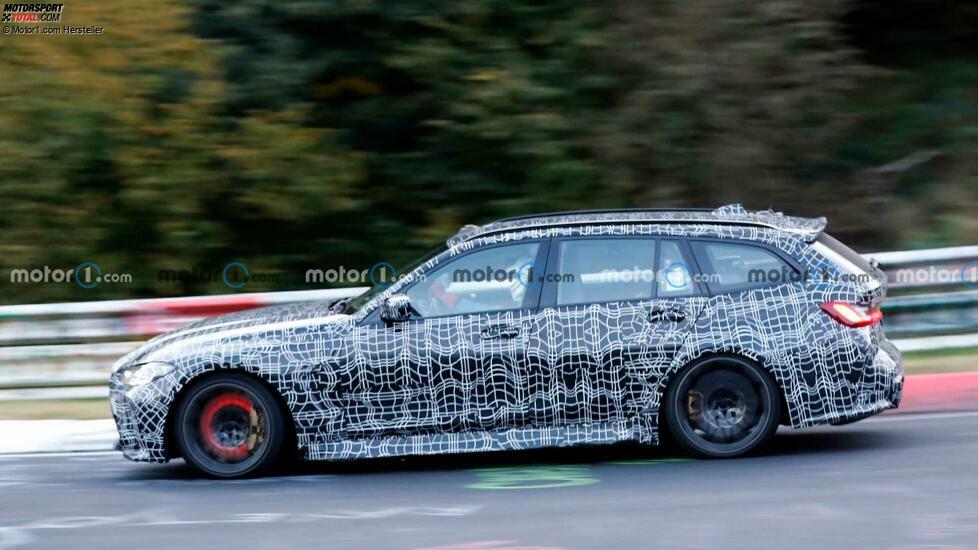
x=922, y=393
x=953, y=391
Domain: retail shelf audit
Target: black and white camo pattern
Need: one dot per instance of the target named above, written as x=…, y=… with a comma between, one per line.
x=574, y=374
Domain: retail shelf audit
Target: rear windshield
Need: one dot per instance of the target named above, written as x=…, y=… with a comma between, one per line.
x=849, y=254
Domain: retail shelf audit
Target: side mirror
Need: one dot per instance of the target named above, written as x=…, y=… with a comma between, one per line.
x=395, y=308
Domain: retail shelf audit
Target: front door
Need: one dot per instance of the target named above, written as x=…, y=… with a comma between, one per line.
x=460, y=363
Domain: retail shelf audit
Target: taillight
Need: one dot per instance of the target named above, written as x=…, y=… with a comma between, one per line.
x=852, y=316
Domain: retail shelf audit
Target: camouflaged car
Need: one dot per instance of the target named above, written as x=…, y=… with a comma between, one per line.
x=711, y=326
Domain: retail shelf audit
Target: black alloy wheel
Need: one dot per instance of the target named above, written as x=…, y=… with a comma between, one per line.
x=723, y=407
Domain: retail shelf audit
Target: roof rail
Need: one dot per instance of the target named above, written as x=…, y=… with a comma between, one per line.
x=599, y=211
x=731, y=214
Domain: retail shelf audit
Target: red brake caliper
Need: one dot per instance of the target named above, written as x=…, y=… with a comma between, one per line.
x=207, y=426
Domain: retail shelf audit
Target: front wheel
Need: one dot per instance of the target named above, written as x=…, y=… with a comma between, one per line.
x=229, y=426
x=722, y=407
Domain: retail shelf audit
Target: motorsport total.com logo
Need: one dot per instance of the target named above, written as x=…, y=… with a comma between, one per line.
x=32, y=13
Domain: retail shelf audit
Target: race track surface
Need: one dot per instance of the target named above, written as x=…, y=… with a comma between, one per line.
x=891, y=482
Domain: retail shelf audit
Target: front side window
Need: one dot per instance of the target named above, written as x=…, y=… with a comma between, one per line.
x=729, y=266
x=605, y=270
x=492, y=279
x=362, y=300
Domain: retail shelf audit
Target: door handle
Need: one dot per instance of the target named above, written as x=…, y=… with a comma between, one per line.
x=675, y=315
x=500, y=332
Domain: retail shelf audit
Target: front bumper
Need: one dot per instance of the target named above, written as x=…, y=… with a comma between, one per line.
x=140, y=415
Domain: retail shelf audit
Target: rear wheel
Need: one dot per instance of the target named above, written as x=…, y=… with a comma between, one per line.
x=229, y=426
x=723, y=407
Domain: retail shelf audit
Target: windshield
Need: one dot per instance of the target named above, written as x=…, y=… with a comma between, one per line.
x=355, y=304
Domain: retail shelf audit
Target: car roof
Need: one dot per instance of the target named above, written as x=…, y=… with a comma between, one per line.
x=731, y=214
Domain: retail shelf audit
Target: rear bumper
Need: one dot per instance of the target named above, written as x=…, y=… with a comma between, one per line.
x=880, y=388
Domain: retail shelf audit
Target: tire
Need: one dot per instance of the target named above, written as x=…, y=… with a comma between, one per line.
x=722, y=407
x=229, y=426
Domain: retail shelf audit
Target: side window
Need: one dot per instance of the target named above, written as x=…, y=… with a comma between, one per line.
x=674, y=276
x=728, y=266
x=605, y=270
x=493, y=279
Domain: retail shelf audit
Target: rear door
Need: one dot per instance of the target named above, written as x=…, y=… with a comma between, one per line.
x=616, y=310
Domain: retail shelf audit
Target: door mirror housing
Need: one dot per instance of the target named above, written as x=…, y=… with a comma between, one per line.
x=396, y=308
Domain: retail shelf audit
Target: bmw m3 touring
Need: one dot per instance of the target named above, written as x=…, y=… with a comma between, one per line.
x=710, y=327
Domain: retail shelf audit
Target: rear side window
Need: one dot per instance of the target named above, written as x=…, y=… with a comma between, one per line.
x=675, y=279
x=734, y=266
x=850, y=255
x=605, y=270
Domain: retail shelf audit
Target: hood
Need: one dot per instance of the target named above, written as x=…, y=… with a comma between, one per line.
x=273, y=324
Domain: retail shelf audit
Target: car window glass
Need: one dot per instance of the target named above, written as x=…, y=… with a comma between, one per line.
x=674, y=276
x=605, y=270
x=738, y=265
x=849, y=254
x=493, y=279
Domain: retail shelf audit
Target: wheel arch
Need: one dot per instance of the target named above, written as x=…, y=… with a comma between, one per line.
x=743, y=355
x=171, y=447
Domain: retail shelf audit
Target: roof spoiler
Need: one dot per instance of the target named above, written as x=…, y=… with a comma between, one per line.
x=808, y=228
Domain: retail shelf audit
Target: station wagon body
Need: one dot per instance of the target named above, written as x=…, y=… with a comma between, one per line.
x=548, y=330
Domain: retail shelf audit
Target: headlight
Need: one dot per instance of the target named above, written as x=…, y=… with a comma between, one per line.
x=140, y=375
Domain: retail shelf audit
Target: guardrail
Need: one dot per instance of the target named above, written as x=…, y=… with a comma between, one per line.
x=64, y=351
x=931, y=292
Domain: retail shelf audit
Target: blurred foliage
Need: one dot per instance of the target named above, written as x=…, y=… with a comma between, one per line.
x=314, y=134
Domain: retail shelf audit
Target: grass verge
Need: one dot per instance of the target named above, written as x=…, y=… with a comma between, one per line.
x=941, y=360
x=78, y=409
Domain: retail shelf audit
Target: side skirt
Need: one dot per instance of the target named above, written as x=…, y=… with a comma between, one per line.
x=641, y=429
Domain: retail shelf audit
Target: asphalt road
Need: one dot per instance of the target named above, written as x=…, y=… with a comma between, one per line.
x=892, y=482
